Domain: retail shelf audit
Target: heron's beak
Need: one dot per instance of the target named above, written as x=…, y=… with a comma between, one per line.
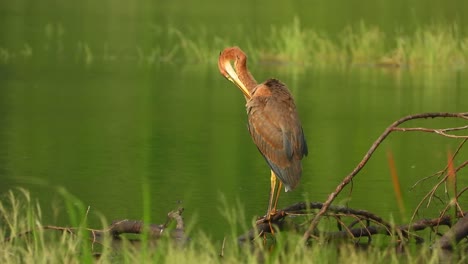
x=232, y=76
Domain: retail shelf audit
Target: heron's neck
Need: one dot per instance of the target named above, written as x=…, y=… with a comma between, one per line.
x=244, y=75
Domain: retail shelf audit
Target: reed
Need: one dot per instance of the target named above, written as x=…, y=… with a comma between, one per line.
x=428, y=46
x=288, y=44
x=365, y=45
x=436, y=45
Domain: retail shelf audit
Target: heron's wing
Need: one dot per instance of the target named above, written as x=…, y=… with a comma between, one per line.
x=276, y=130
x=270, y=139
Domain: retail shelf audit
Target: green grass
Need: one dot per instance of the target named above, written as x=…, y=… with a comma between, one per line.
x=435, y=46
x=19, y=212
x=365, y=45
x=428, y=46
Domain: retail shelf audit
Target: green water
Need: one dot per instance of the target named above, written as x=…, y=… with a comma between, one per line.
x=80, y=109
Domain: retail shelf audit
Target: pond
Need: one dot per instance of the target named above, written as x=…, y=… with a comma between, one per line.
x=111, y=129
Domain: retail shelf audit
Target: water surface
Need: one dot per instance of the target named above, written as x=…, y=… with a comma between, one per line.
x=105, y=128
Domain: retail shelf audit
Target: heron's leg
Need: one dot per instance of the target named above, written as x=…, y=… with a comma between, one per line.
x=272, y=194
x=278, y=192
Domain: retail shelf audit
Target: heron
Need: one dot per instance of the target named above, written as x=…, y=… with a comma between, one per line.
x=273, y=123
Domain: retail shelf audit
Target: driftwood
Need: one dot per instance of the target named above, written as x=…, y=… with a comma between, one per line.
x=154, y=231
x=122, y=227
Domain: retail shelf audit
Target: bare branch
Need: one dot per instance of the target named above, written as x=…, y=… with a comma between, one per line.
x=366, y=158
x=442, y=132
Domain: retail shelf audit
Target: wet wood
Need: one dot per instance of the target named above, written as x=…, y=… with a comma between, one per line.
x=458, y=232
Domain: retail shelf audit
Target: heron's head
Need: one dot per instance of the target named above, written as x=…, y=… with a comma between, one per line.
x=225, y=67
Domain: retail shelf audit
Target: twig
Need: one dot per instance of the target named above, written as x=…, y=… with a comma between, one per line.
x=222, y=248
x=442, y=171
x=432, y=130
x=431, y=193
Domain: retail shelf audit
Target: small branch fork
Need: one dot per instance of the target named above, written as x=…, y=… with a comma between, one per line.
x=393, y=127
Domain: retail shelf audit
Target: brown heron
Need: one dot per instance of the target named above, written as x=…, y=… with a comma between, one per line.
x=273, y=123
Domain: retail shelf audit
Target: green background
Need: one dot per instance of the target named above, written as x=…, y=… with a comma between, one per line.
x=81, y=109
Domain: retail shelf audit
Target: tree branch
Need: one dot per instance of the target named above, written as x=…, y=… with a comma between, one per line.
x=368, y=155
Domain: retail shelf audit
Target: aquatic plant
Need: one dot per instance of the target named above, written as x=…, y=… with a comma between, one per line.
x=434, y=45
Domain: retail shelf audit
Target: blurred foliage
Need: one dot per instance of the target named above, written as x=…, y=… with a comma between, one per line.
x=332, y=33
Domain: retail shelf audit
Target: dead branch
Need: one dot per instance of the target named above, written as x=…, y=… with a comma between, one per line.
x=455, y=234
x=445, y=220
x=367, y=156
x=126, y=226
x=370, y=224
x=120, y=227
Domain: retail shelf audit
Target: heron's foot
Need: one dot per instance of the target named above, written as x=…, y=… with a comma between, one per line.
x=268, y=219
x=272, y=213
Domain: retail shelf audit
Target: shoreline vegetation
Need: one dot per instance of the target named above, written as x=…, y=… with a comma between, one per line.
x=25, y=238
x=360, y=45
